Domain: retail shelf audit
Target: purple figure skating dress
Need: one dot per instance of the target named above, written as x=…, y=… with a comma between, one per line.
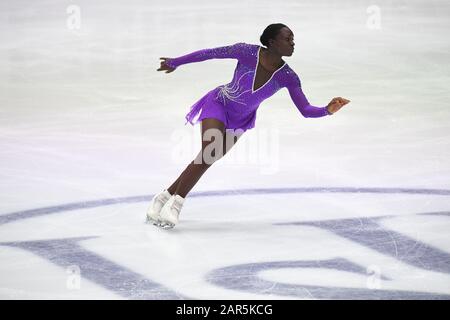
x=235, y=103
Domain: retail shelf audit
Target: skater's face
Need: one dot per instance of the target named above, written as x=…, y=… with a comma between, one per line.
x=283, y=42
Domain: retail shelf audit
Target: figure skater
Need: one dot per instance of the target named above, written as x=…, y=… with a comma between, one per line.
x=230, y=109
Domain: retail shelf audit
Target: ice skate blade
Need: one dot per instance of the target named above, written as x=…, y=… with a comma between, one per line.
x=152, y=221
x=159, y=223
x=165, y=225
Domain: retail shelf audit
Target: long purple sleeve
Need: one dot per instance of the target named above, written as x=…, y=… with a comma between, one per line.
x=231, y=51
x=302, y=104
x=236, y=102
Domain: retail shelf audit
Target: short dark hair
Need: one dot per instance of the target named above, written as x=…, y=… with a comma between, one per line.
x=270, y=32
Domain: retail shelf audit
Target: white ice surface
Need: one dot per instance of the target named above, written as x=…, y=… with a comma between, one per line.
x=84, y=115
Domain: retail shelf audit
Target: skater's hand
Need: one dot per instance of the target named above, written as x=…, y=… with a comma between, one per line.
x=164, y=66
x=336, y=103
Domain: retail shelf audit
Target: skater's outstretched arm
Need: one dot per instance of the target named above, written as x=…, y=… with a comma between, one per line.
x=305, y=108
x=232, y=51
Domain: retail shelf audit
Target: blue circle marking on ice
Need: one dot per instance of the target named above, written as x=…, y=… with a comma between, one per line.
x=131, y=285
x=14, y=216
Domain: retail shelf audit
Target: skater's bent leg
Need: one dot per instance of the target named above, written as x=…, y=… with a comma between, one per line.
x=212, y=132
x=174, y=185
x=198, y=167
x=216, y=142
x=192, y=173
x=190, y=177
x=173, y=188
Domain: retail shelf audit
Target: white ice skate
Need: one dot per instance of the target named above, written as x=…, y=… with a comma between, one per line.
x=171, y=211
x=157, y=203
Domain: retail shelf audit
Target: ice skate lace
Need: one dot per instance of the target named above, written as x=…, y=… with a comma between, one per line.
x=177, y=206
x=162, y=199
